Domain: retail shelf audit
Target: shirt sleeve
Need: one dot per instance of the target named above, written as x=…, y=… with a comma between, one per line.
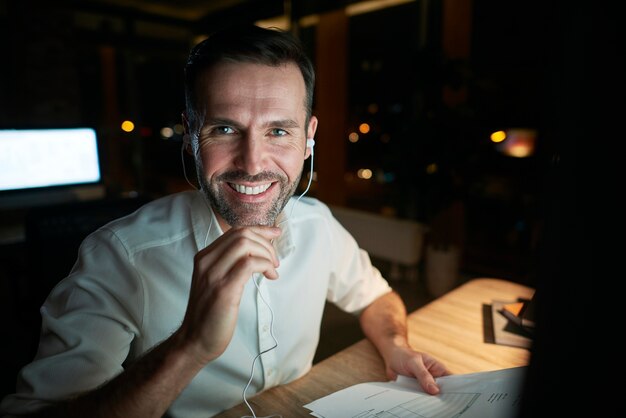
x=354, y=283
x=89, y=321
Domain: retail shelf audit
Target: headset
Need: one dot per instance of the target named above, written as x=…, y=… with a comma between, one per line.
x=310, y=143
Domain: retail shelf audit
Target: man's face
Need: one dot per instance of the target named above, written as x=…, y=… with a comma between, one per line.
x=252, y=142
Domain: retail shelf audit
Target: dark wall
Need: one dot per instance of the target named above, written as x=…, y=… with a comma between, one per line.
x=580, y=310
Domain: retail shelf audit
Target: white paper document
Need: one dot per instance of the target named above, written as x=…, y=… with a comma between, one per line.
x=494, y=394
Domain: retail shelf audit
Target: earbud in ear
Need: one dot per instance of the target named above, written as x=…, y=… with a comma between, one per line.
x=310, y=142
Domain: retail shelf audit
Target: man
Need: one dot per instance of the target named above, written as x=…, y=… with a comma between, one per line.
x=167, y=310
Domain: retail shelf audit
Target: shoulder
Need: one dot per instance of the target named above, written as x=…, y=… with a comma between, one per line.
x=164, y=219
x=312, y=215
x=308, y=206
x=161, y=210
x=312, y=212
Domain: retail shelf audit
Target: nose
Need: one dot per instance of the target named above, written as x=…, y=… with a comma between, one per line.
x=250, y=155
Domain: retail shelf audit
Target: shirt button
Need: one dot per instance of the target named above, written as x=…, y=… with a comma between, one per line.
x=270, y=372
x=265, y=328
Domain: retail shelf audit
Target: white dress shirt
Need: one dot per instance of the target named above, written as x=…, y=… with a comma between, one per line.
x=129, y=289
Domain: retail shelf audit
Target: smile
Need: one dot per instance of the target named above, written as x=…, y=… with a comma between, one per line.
x=250, y=190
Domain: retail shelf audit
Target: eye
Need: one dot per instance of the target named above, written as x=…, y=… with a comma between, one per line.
x=224, y=130
x=278, y=132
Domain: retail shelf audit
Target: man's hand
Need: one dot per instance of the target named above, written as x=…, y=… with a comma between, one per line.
x=220, y=273
x=384, y=323
x=407, y=362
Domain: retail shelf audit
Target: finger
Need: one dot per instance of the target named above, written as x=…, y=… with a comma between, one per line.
x=424, y=377
x=438, y=369
x=246, y=267
x=262, y=235
x=265, y=236
x=250, y=255
x=234, y=244
x=238, y=236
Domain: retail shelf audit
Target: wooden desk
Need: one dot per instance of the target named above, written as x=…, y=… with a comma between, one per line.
x=449, y=328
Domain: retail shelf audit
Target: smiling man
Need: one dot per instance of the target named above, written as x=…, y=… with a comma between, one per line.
x=167, y=311
x=252, y=140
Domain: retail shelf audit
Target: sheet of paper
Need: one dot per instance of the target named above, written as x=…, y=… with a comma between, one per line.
x=473, y=395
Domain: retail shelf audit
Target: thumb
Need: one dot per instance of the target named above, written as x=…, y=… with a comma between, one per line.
x=391, y=375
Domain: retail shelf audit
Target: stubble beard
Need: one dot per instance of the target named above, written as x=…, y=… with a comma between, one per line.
x=248, y=214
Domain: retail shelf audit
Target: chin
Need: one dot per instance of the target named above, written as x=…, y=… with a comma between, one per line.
x=252, y=220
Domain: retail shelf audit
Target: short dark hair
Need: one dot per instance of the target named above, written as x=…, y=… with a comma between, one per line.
x=245, y=43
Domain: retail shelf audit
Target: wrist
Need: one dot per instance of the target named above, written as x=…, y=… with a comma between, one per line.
x=187, y=350
x=392, y=344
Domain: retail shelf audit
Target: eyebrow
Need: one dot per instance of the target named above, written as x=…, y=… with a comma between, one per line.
x=283, y=123
x=221, y=121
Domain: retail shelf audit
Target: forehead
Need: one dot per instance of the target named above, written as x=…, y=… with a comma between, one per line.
x=236, y=85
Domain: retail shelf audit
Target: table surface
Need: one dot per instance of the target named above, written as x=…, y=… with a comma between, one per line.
x=450, y=328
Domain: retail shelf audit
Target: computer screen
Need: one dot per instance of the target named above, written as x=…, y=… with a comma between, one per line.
x=48, y=165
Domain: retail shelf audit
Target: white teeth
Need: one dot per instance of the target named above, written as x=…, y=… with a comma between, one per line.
x=250, y=190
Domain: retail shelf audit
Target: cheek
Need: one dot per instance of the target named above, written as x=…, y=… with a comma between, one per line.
x=214, y=161
x=291, y=166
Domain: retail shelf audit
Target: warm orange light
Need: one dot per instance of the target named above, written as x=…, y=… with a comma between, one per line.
x=353, y=137
x=127, y=126
x=167, y=132
x=518, y=150
x=364, y=173
x=498, y=136
x=364, y=128
x=519, y=143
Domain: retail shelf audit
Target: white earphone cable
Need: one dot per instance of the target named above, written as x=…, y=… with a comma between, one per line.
x=256, y=283
x=308, y=186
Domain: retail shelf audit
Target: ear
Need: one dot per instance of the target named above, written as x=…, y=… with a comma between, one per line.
x=310, y=133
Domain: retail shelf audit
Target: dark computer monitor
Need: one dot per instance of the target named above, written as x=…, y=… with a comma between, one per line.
x=44, y=166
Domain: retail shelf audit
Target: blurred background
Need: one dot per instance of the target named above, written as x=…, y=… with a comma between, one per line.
x=429, y=110
x=438, y=113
